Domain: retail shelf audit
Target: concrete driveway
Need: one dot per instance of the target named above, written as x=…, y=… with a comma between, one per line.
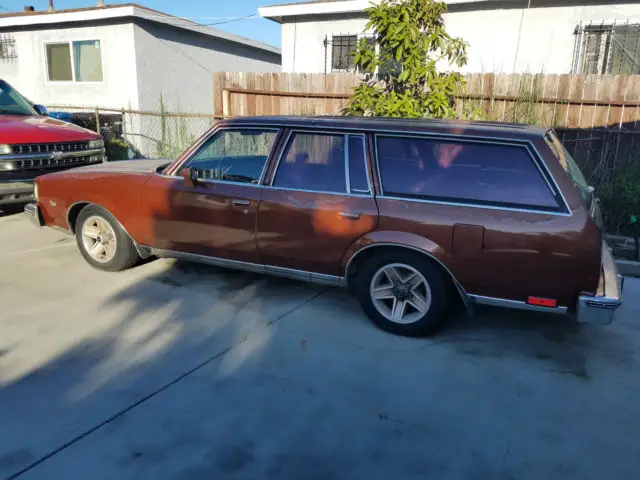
x=178, y=371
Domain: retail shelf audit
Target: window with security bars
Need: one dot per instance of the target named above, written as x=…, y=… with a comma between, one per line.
x=342, y=48
x=7, y=47
x=607, y=49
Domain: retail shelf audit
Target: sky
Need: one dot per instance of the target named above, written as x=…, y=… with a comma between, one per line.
x=201, y=11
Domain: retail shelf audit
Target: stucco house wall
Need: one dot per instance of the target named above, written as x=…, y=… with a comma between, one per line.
x=490, y=27
x=180, y=65
x=143, y=53
x=28, y=72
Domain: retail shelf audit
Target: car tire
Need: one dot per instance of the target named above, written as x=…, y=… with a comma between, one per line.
x=103, y=242
x=415, y=304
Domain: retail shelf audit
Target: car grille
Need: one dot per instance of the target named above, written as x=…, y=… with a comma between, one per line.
x=32, y=164
x=49, y=147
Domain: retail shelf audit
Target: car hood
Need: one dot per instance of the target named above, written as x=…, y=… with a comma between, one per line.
x=16, y=129
x=123, y=166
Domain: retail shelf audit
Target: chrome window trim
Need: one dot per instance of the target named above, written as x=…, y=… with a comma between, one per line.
x=364, y=158
x=515, y=304
x=473, y=205
x=322, y=192
x=347, y=170
x=529, y=147
x=294, y=274
x=209, y=180
x=311, y=131
x=185, y=161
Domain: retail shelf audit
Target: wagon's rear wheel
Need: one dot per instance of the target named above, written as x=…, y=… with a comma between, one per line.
x=403, y=293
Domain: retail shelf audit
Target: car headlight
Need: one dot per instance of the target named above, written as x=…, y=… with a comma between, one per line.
x=6, y=149
x=96, y=143
x=6, y=166
x=35, y=192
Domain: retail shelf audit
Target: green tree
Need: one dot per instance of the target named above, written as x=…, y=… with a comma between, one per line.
x=412, y=41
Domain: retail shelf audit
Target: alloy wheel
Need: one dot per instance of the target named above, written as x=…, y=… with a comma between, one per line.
x=99, y=239
x=400, y=293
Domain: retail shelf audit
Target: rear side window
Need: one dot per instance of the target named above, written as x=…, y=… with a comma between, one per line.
x=464, y=172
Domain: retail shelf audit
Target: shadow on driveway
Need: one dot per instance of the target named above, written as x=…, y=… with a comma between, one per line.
x=202, y=376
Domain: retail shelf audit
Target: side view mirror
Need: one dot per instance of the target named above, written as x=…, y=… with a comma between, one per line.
x=190, y=176
x=41, y=109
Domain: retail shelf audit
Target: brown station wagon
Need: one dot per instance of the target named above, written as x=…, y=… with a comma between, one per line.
x=408, y=214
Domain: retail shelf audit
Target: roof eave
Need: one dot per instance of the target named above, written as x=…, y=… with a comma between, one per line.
x=125, y=13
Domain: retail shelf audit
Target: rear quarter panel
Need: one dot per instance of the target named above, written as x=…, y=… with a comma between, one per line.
x=522, y=254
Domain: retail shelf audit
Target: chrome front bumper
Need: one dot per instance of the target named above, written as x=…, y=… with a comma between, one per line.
x=32, y=210
x=601, y=307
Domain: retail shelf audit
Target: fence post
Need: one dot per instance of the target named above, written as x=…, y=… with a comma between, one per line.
x=97, y=120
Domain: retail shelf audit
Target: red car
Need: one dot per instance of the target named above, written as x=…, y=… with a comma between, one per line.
x=32, y=144
x=407, y=214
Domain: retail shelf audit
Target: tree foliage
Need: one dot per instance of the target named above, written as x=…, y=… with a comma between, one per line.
x=412, y=42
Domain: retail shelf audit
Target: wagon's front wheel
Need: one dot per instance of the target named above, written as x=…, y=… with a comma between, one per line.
x=103, y=242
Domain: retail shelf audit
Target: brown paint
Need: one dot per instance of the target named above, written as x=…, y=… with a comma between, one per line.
x=492, y=252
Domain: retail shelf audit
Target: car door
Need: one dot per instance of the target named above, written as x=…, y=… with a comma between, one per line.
x=214, y=215
x=318, y=203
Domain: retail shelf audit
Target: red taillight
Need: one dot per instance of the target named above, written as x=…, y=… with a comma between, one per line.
x=542, y=302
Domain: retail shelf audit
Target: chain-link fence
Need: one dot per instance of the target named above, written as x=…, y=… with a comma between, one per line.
x=136, y=134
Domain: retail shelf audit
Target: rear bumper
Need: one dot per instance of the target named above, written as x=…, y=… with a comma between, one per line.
x=16, y=192
x=600, y=308
x=32, y=210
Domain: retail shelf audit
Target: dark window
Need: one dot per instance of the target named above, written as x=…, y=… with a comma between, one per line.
x=7, y=47
x=313, y=162
x=607, y=49
x=234, y=155
x=478, y=173
x=342, y=50
x=358, y=180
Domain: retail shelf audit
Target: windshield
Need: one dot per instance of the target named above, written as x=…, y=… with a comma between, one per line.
x=12, y=103
x=571, y=167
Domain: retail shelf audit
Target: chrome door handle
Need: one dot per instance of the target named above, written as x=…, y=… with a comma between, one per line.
x=349, y=215
x=240, y=203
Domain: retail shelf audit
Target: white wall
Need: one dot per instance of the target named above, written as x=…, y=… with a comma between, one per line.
x=180, y=65
x=28, y=73
x=547, y=39
x=303, y=49
x=546, y=44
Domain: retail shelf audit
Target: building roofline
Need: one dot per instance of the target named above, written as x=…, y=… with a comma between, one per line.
x=123, y=11
x=279, y=12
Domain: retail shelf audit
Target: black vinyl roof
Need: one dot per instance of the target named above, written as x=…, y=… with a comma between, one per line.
x=452, y=127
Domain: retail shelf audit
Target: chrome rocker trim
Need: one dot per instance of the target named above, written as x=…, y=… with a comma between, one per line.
x=514, y=304
x=291, y=273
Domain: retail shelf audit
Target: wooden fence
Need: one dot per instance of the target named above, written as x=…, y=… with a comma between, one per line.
x=570, y=101
x=239, y=94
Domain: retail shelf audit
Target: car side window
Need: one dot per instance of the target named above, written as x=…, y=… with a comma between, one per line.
x=238, y=155
x=466, y=172
x=313, y=161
